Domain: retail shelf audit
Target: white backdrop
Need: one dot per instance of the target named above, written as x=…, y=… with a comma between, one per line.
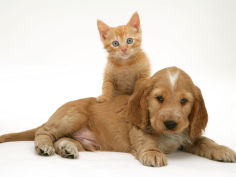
x=50, y=53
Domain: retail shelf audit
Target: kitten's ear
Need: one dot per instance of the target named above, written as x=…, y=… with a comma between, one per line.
x=103, y=29
x=135, y=21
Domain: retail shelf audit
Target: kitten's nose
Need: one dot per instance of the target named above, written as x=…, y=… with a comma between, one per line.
x=124, y=50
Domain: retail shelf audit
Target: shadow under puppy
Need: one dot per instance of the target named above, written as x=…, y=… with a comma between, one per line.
x=164, y=113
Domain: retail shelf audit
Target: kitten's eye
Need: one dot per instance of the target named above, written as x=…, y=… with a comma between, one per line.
x=183, y=101
x=160, y=99
x=115, y=43
x=130, y=41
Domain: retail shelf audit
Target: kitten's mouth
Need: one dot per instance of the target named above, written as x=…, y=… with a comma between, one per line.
x=125, y=56
x=122, y=55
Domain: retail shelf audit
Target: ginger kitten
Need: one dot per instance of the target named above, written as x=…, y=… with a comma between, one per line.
x=127, y=64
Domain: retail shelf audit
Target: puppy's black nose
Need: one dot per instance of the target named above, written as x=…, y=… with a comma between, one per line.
x=170, y=124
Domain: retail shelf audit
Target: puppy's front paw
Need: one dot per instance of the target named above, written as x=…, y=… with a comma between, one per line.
x=102, y=99
x=153, y=158
x=221, y=154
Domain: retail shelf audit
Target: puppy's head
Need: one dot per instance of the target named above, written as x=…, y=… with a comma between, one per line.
x=170, y=102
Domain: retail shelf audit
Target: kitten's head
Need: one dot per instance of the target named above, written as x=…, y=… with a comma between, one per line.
x=122, y=41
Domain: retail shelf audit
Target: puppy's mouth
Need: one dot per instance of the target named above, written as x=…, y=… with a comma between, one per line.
x=171, y=131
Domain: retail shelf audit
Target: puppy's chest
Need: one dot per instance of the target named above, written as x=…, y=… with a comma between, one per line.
x=124, y=79
x=170, y=143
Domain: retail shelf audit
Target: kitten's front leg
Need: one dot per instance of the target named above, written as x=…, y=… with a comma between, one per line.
x=145, y=149
x=142, y=78
x=107, y=90
x=207, y=148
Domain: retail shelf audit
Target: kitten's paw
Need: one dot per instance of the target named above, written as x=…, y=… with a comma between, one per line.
x=221, y=154
x=102, y=99
x=153, y=158
x=68, y=150
x=44, y=149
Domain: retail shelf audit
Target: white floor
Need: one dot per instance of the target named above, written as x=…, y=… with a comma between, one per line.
x=19, y=159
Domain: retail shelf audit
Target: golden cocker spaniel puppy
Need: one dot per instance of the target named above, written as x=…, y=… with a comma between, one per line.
x=171, y=109
x=165, y=113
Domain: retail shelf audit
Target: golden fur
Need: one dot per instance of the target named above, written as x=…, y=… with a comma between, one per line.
x=133, y=124
x=127, y=64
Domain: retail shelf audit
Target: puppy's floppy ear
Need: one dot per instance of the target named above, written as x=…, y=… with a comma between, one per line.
x=198, y=117
x=137, y=105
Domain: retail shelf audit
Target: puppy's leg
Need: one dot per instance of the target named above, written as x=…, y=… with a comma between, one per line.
x=68, y=148
x=145, y=149
x=207, y=148
x=65, y=121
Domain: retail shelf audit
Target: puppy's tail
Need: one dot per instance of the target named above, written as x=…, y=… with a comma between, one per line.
x=27, y=135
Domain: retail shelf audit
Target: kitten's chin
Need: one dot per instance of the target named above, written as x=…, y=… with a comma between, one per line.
x=124, y=57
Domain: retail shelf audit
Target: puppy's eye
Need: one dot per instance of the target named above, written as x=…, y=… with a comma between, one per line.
x=115, y=43
x=183, y=101
x=160, y=99
x=129, y=41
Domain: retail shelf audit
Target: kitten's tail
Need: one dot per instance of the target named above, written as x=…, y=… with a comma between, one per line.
x=27, y=135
